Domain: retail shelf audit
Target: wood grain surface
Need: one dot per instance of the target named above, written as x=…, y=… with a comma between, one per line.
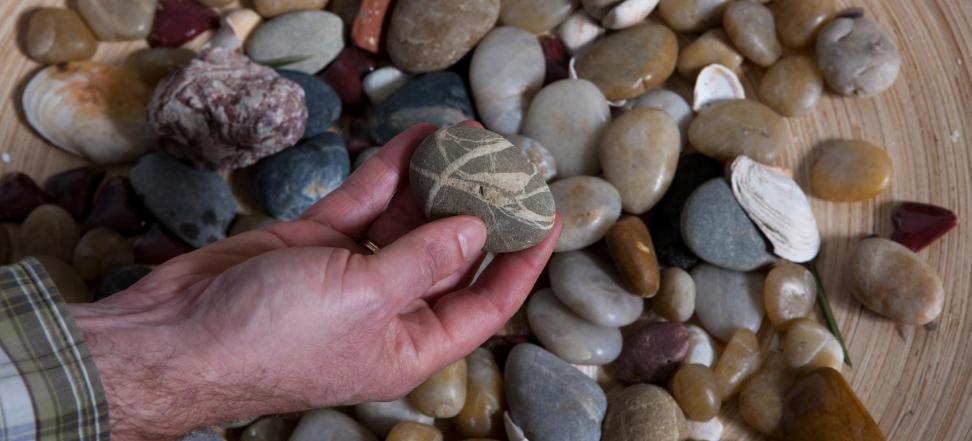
x=917, y=383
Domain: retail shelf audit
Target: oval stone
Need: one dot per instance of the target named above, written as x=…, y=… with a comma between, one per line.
x=752, y=29
x=691, y=15
x=673, y=104
x=330, y=425
x=740, y=127
x=538, y=154
x=857, y=56
x=313, y=38
x=409, y=431
x=644, y=412
x=49, y=230
x=652, y=351
x=113, y=20
x=716, y=228
x=380, y=417
x=727, y=300
x=589, y=207
x=472, y=171
x=568, y=118
x=194, y=204
x=792, y=87
x=633, y=253
x=850, y=171
x=66, y=279
x=58, y=35
x=438, y=98
x=628, y=63
x=323, y=103
x=290, y=182
x=568, y=335
x=550, y=399
x=893, y=281
x=431, y=35
x=761, y=397
x=676, y=299
x=536, y=16
x=665, y=222
x=443, y=395
x=592, y=289
x=639, y=153
x=507, y=69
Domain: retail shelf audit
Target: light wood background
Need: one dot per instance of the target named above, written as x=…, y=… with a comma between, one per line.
x=917, y=383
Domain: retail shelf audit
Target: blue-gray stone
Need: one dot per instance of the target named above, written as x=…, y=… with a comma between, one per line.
x=120, y=279
x=550, y=399
x=323, y=103
x=665, y=221
x=289, y=182
x=195, y=204
x=715, y=228
x=439, y=98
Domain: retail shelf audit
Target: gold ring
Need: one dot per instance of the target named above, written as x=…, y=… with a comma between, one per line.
x=370, y=246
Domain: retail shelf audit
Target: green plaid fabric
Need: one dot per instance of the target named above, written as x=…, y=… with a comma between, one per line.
x=49, y=389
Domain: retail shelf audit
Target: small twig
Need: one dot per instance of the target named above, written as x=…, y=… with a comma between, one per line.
x=827, y=312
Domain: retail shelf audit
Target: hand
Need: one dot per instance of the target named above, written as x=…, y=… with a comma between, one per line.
x=299, y=315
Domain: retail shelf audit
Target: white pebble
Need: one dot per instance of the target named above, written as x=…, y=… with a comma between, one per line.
x=383, y=82
x=705, y=431
x=629, y=13
x=702, y=349
x=578, y=30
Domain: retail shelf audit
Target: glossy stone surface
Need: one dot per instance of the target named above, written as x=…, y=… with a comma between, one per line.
x=644, y=412
x=179, y=21
x=273, y=8
x=113, y=20
x=57, y=35
x=472, y=171
x=569, y=336
x=381, y=83
x=482, y=415
x=665, y=222
x=751, y=27
x=712, y=47
x=443, y=395
x=629, y=243
x=313, y=37
x=821, y=405
x=789, y=293
x=431, y=35
x=119, y=279
x=727, y=300
x=591, y=288
x=154, y=64
x=323, y=104
x=651, y=352
x=857, y=56
x=437, y=98
x=550, y=399
x=158, y=246
x=69, y=283
x=673, y=104
x=380, y=417
x=290, y=182
x=589, y=207
x=19, y=195
x=676, y=298
x=798, y=21
x=696, y=391
x=568, y=118
x=49, y=230
x=691, y=15
x=628, y=63
x=808, y=346
x=761, y=397
x=740, y=127
x=117, y=207
x=717, y=229
x=74, y=189
x=739, y=361
x=330, y=425
x=409, y=431
x=535, y=16
x=639, y=154
x=850, y=171
x=893, y=281
x=539, y=155
x=100, y=251
x=702, y=348
x=346, y=76
x=507, y=70
x=792, y=86
x=917, y=225
x=196, y=205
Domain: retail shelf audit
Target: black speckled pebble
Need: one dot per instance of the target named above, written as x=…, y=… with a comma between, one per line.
x=438, y=98
x=323, y=103
x=290, y=182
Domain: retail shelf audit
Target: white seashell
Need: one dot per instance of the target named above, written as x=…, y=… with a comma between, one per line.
x=705, y=431
x=90, y=109
x=578, y=30
x=380, y=84
x=702, y=348
x=716, y=83
x=671, y=103
x=513, y=432
x=629, y=13
x=779, y=207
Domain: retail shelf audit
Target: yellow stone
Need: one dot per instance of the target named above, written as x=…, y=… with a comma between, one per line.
x=761, y=397
x=729, y=129
x=792, y=87
x=822, y=406
x=808, y=346
x=482, y=415
x=738, y=362
x=629, y=243
x=692, y=15
x=789, y=293
x=694, y=387
x=49, y=230
x=57, y=35
x=850, y=171
x=712, y=47
x=443, y=395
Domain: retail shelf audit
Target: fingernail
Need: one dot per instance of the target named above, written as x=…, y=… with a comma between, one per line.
x=472, y=237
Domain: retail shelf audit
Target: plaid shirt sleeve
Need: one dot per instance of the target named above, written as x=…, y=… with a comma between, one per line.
x=49, y=389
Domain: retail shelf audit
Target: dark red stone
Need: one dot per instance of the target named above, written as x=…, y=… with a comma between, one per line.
x=917, y=225
x=344, y=76
x=558, y=59
x=19, y=195
x=501, y=345
x=159, y=246
x=179, y=21
x=117, y=207
x=74, y=190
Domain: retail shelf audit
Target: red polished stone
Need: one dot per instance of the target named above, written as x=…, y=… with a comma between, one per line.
x=179, y=21
x=557, y=58
x=159, y=246
x=117, y=207
x=344, y=76
x=74, y=190
x=369, y=23
x=19, y=195
x=917, y=225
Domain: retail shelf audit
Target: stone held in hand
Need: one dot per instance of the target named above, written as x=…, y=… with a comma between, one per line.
x=439, y=98
x=49, y=230
x=58, y=35
x=304, y=41
x=589, y=206
x=917, y=225
x=651, y=352
x=629, y=243
x=113, y=20
x=19, y=195
x=893, y=281
x=179, y=21
x=507, y=69
x=323, y=103
x=74, y=189
x=569, y=336
x=630, y=62
x=117, y=207
x=592, y=290
x=430, y=35
x=821, y=405
x=329, y=425
x=472, y=171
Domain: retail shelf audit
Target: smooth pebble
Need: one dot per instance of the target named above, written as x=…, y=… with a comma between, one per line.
x=506, y=71
x=329, y=425
x=431, y=35
x=639, y=154
x=630, y=62
x=311, y=38
x=631, y=248
x=592, y=289
x=727, y=300
x=568, y=335
x=589, y=207
x=568, y=117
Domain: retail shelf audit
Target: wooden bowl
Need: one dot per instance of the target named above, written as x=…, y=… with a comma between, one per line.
x=917, y=383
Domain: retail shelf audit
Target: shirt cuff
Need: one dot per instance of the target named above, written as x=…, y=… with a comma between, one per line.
x=49, y=387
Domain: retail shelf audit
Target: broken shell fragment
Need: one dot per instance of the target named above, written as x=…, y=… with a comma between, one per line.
x=716, y=83
x=629, y=13
x=578, y=30
x=777, y=205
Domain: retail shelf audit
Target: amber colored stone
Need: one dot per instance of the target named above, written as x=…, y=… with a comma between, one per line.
x=808, y=345
x=822, y=406
x=630, y=245
x=789, y=293
x=739, y=361
x=691, y=15
x=100, y=251
x=49, y=230
x=850, y=171
x=630, y=62
x=117, y=207
x=409, y=431
x=558, y=60
x=58, y=35
x=179, y=21
x=158, y=246
x=729, y=129
x=443, y=395
x=761, y=397
x=19, y=195
x=366, y=31
x=344, y=75
x=74, y=189
x=154, y=64
x=482, y=415
x=67, y=280
x=917, y=225
x=792, y=86
x=798, y=21
x=893, y=281
x=712, y=47
x=694, y=387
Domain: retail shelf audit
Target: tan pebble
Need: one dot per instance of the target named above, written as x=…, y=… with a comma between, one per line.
x=740, y=127
x=482, y=415
x=430, y=35
x=761, y=397
x=409, y=431
x=101, y=250
x=536, y=16
x=691, y=15
x=273, y=8
x=643, y=412
x=752, y=29
x=697, y=392
x=808, y=346
x=639, y=153
x=49, y=230
x=676, y=299
x=67, y=280
x=712, y=47
x=798, y=21
x=792, y=87
x=57, y=35
x=630, y=62
x=850, y=171
x=444, y=394
x=893, y=281
x=633, y=252
x=789, y=293
x=739, y=361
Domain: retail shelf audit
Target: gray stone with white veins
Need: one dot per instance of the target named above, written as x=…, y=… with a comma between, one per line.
x=465, y=170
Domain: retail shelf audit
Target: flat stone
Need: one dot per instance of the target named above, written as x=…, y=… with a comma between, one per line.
x=652, y=352
x=381, y=83
x=631, y=248
x=727, y=300
x=380, y=417
x=323, y=104
x=568, y=118
x=100, y=251
x=75, y=189
x=438, y=98
x=629, y=62
x=665, y=224
x=345, y=75
x=69, y=283
x=539, y=155
x=196, y=205
x=431, y=35
x=639, y=154
x=593, y=290
x=850, y=171
x=179, y=21
x=569, y=336
x=644, y=412
x=290, y=182
x=535, y=16
x=472, y=171
x=19, y=195
x=313, y=38
x=917, y=225
x=589, y=207
x=740, y=127
x=49, y=230
x=443, y=395
x=117, y=207
x=158, y=246
x=274, y=8
x=369, y=24
x=550, y=399
x=119, y=279
x=58, y=35
x=113, y=20
x=330, y=425
x=893, y=281
x=717, y=229
x=507, y=70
